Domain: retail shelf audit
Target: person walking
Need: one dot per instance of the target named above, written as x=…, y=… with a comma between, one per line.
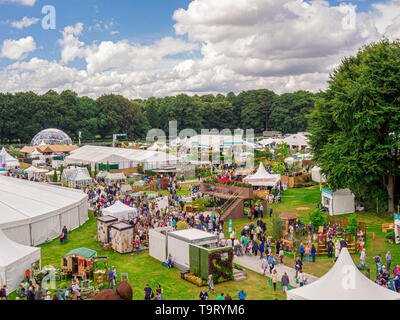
x=313, y=253
x=271, y=262
x=301, y=250
x=274, y=279
x=307, y=251
x=211, y=283
x=337, y=250
x=110, y=277
x=65, y=233
x=148, y=292
x=281, y=255
x=302, y=278
x=363, y=258
x=285, y=282
x=388, y=261
x=115, y=275
x=330, y=248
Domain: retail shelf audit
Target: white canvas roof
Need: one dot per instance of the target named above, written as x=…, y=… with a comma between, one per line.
x=343, y=282
x=263, y=178
x=30, y=211
x=120, y=211
x=298, y=140
x=123, y=156
x=316, y=175
x=15, y=258
x=192, y=234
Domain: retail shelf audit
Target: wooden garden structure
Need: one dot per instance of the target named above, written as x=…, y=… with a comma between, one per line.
x=78, y=262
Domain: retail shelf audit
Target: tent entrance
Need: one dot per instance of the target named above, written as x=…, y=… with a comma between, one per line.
x=75, y=267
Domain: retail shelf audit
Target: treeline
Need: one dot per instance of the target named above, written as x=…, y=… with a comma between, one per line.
x=22, y=115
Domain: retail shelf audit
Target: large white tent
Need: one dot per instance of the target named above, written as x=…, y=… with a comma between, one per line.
x=262, y=178
x=10, y=161
x=343, y=282
x=316, y=175
x=32, y=213
x=15, y=259
x=120, y=211
x=123, y=157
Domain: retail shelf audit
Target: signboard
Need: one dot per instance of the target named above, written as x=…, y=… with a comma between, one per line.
x=224, y=256
x=80, y=134
x=326, y=191
x=230, y=226
x=397, y=228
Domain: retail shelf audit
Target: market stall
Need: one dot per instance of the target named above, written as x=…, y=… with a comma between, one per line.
x=122, y=237
x=120, y=211
x=103, y=228
x=262, y=178
x=78, y=261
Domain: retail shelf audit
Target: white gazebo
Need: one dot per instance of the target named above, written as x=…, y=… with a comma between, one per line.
x=343, y=282
x=10, y=161
x=262, y=178
x=120, y=211
x=316, y=175
x=31, y=171
x=15, y=259
x=114, y=177
x=80, y=178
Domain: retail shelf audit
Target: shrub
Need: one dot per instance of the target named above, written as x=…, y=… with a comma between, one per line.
x=277, y=232
x=317, y=218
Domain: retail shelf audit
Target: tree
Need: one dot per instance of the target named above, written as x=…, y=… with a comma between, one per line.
x=55, y=178
x=277, y=232
x=317, y=218
x=355, y=126
x=95, y=170
x=108, y=167
x=281, y=151
x=89, y=167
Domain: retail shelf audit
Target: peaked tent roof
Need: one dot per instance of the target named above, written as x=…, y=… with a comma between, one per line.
x=343, y=282
x=84, y=252
x=263, y=178
x=10, y=160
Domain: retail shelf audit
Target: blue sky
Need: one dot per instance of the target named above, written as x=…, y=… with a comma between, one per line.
x=218, y=45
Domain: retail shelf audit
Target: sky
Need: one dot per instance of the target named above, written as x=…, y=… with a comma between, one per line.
x=158, y=48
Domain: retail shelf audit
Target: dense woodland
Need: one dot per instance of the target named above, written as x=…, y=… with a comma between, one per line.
x=22, y=115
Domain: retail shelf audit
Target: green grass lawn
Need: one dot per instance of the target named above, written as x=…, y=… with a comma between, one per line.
x=143, y=269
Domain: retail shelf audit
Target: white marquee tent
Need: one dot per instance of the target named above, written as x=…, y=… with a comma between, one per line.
x=15, y=259
x=343, y=282
x=262, y=178
x=299, y=141
x=32, y=213
x=123, y=157
x=120, y=211
x=11, y=162
x=316, y=175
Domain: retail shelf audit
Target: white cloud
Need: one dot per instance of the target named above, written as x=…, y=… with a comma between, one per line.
x=29, y=3
x=17, y=49
x=282, y=45
x=71, y=46
x=24, y=23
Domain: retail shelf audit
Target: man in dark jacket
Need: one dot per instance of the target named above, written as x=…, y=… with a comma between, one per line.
x=255, y=247
x=330, y=248
x=30, y=295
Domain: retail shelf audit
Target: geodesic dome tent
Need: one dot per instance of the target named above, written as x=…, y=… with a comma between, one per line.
x=50, y=137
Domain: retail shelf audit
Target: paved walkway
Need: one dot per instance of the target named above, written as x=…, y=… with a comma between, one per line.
x=189, y=181
x=254, y=263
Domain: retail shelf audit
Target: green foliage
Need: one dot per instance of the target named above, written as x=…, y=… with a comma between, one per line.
x=55, y=177
x=277, y=231
x=317, y=218
x=108, y=167
x=281, y=151
x=353, y=223
x=355, y=125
